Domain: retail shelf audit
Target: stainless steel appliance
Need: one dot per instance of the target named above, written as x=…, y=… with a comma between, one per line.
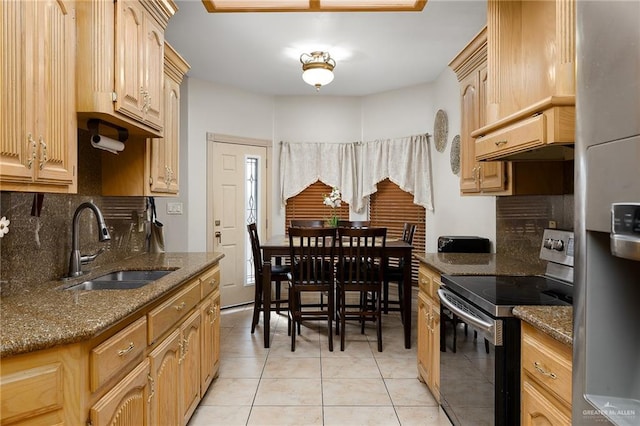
x=483, y=388
x=606, y=347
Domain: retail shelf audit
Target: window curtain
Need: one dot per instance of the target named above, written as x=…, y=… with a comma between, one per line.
x=356, y=168
x=301, y=164
x=406, y=162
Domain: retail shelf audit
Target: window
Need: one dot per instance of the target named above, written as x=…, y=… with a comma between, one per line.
x=391, y=207
x=309, y=205
x=251, y=212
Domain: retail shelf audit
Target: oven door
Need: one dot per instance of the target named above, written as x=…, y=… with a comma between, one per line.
x=480, y=381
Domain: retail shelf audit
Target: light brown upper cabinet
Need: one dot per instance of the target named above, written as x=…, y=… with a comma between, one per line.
x=531, y=81
x=38, y=130
x=150, y=167
x=470, y=67
x=121, y=74
x=495, y=177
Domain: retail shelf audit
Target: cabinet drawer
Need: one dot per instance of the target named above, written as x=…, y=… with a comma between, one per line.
x=167, y=315
x=521, y=136
x=115, y=353
x=210, y=281
x=30, y=392
x=424, y=282
x=547, y=361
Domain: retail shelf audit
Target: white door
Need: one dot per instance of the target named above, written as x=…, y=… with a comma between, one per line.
x=237, y=196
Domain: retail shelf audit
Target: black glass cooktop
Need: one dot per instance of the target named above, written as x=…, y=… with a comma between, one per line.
x=497, y=295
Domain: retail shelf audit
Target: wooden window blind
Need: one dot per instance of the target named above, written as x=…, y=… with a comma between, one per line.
x=391, y=207
x=309, y=205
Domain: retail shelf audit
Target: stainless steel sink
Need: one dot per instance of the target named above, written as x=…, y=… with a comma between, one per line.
x=133, y=276
x=121, y=280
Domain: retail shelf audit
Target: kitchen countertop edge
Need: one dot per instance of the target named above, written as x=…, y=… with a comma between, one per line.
x=555, y=321
x=479, y=264
x=44, y=315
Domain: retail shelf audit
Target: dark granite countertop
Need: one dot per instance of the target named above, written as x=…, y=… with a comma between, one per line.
x=479, y=264
x=556, y=321
x=42, y=315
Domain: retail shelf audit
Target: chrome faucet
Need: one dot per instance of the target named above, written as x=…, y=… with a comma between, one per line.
x=76, y=260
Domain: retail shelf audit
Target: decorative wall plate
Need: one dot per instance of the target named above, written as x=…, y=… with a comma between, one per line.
x=455, y=155
x=440, y=130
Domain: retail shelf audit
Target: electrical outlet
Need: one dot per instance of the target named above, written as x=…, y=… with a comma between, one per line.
x=552, y=224
x=174, y=208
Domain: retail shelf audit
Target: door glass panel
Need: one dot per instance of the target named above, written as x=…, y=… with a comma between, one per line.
x=251, y=210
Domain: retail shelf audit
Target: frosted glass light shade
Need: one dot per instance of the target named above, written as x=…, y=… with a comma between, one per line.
x=317, y=76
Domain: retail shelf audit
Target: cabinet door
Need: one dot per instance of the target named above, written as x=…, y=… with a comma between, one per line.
x=190, y=365
x=210, y=351
x=434, y=350
x=17, y=137
x=127, y=403
x=165, y=364
x=129, y=59
x=538, y=410
x=164, y=152
x=153, y=60
x=57, y=135
x=423, y=337
x=469, y=169
x=38, y=132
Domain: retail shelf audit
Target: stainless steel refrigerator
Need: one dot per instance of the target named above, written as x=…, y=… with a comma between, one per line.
x=606, y=351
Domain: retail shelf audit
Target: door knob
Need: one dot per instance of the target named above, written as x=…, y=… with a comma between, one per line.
x=218, y=235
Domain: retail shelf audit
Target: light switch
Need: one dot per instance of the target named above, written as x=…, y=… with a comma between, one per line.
x=174, y=208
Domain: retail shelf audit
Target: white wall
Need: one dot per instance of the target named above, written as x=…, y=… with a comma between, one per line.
x=211, y=108
x=311, y=119
x=454, y=214
x=404, y=112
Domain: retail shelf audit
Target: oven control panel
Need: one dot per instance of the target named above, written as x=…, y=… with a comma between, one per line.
x=558, y=246
x=625, y=230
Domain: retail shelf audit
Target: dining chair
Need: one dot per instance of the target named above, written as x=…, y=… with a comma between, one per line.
x=354, y=223
x=394, y=272
x=279, y=273
x=313, y=257
x=359, y=270
x=307, y=223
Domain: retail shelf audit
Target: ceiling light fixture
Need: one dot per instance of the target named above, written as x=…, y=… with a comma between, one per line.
x=317, y=68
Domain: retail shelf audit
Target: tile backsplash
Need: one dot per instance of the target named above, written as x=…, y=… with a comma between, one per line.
x=521, y=221
x=37, y=248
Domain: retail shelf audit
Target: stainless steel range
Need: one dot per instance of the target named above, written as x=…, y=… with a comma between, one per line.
x=480, y=384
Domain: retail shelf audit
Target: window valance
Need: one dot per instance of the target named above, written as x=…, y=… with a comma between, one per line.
x=357, y=167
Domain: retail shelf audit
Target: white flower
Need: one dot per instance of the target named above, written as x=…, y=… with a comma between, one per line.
x=4, y=226
x=334, y=199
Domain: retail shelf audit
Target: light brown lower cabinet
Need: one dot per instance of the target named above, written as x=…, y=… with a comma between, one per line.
x=127, y=403
x=546, y=379
x=146, y=370
x=429, y=329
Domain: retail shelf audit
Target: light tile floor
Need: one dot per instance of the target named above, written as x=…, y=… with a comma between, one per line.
x=313, y=386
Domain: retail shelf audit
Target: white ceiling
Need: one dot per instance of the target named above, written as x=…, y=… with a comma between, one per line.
x=374, y=51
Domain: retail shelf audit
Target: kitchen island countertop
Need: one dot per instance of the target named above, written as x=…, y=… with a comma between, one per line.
x=43, y=315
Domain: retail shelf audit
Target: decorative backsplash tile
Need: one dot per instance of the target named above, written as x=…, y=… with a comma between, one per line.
x=521, y=221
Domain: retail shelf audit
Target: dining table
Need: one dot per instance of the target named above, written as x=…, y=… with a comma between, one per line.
x=276, y=248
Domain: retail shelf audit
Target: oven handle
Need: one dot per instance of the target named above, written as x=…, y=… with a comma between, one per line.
x=471, y=320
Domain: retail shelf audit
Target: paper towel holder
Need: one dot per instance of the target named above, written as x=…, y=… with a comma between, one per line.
x=93, y=125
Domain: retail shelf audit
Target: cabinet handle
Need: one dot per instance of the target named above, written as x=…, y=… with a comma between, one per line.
x=180, y=306
x=213, y=282
x=32, y=156
x=43, y=153
x=501, y=142
x=542, y=371
x=152, y=385
x=123, y=352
